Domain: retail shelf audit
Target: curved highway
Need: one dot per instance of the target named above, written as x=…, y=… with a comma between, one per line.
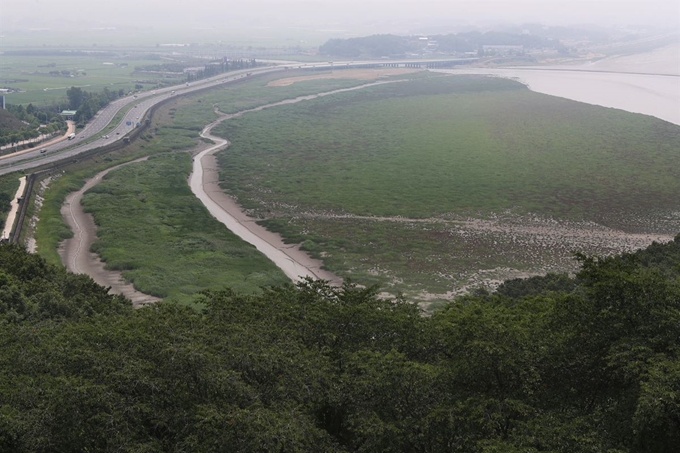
x=140, y=105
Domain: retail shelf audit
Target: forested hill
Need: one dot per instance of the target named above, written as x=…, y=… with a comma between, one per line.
x=552, y=364
x=377, y=46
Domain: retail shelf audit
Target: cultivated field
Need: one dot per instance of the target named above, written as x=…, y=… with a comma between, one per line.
x=439, y=184
x=360, y=74
x=112, y=70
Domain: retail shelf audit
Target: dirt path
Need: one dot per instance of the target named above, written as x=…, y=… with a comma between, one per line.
x=75, y=252
x=295, y=263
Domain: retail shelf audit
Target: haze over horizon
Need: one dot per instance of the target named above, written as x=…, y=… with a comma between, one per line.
x=332, y=16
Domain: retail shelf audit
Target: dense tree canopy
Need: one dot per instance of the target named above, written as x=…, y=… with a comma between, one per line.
x=87, y=104
x=553, y=364
x=18, y=123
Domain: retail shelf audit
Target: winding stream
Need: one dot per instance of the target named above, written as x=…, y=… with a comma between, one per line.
x=204, y=183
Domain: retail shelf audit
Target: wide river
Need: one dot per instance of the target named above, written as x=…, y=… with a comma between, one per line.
x=651, y=94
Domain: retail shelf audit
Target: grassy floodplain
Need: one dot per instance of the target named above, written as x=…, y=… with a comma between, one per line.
x=385, y=184
x=150, y=226
x=165, y=241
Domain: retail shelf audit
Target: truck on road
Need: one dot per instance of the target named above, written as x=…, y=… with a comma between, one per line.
x=71, y=136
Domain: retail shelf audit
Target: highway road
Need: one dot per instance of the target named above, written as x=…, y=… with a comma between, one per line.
x=140, y=104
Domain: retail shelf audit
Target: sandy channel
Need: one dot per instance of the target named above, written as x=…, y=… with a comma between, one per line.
x=204, y=183
x=75, y=252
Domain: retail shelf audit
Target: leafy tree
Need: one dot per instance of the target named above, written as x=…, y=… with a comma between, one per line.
x=556, y=364
x=75, y=97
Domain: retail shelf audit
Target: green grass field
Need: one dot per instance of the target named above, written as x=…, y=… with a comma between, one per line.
x=460, y=145
x=253, y=93
x=450, y=149
x=154, y=230
x=30, y=74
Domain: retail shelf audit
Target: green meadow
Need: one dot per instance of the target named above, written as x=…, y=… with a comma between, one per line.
x=30, y=74
x=446, y=149
x=8, y=187
x=153, y=229
x=380, y=182
x=256, y=92
x=150, y=226
x=460, y=145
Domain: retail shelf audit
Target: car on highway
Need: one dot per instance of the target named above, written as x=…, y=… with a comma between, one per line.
x=43, y=151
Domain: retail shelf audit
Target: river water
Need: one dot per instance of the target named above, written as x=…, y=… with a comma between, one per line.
x=619, y=84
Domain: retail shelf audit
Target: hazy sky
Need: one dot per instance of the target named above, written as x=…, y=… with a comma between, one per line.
x=344, y=14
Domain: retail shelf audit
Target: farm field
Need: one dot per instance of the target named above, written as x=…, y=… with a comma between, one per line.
x=278, y=87
x=112, y=70
x=438, y=184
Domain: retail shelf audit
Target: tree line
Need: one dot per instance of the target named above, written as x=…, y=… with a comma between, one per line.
x=21, y=123
x=219, y=67
x=377, y=46
x=584, y=363
x=88, y=103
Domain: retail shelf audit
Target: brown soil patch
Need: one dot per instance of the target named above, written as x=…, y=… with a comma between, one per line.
x=359, y=74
